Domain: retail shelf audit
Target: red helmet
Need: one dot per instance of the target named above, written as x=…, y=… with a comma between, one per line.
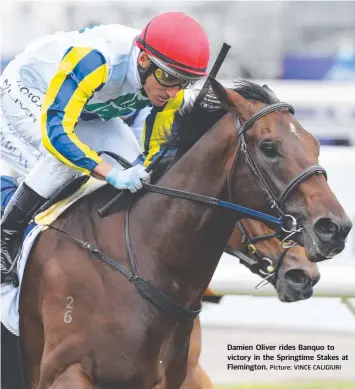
x=178, y=44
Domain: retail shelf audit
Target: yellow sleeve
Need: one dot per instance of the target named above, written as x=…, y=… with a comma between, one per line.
x=158, y=124
x=81, y=72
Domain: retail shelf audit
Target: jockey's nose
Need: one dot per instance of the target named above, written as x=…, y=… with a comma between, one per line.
x=172, y=91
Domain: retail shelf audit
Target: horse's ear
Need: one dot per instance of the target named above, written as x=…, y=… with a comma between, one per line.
x=231, y=100
x=222, y=94
x=271, y=92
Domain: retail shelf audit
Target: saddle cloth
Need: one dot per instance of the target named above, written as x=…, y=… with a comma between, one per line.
x=10, y=296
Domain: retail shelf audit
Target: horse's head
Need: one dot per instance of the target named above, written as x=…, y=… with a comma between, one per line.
x=277, y=160
x=288, y=269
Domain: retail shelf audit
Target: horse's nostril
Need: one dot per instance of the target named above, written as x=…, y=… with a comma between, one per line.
x=325, y=225
x=297, y=276
x=325, y=228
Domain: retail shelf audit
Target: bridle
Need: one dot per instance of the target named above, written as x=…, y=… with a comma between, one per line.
x=264, y=266
x=275, y=202
x=286, y=223
x=145, y=287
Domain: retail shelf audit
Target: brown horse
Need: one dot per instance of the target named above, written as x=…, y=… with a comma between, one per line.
x=293, y=277
x=114, y=336
x=288, y=269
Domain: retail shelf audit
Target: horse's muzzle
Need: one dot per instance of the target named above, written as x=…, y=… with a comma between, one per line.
x=329, y=233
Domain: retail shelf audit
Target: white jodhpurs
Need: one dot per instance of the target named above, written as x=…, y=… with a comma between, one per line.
x=21, y=145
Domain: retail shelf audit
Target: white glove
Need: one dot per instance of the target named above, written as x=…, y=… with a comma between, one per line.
x=128, y=179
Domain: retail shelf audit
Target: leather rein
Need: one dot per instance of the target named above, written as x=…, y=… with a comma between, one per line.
x=150, y=291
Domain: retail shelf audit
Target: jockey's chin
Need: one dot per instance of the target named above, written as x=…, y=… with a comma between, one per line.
x=159, y=101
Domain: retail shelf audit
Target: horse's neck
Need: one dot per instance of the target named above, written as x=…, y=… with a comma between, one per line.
x=183, y=234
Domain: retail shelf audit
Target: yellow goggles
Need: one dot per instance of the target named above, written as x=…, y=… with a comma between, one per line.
x=169, y=81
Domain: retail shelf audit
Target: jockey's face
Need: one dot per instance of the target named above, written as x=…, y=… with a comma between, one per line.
x=157, y=93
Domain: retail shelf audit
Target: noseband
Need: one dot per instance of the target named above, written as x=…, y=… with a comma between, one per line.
x=275, y=202
x=263, y=265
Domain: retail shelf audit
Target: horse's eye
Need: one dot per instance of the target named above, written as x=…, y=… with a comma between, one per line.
x=269, y=149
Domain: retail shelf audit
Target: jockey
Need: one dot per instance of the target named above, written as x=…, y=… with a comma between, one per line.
x=72, y=94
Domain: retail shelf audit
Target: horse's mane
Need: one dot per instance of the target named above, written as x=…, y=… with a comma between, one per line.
x=191, y=122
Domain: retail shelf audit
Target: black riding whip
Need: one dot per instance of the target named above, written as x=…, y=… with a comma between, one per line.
x=213, y=73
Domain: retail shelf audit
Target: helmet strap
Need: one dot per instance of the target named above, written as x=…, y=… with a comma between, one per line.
x=144, y=73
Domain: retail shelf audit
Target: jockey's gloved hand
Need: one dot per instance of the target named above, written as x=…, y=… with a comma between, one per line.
x=130, y=179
